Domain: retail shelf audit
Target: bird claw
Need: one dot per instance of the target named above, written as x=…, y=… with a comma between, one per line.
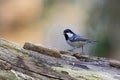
x=82, y=52
x=71, y=50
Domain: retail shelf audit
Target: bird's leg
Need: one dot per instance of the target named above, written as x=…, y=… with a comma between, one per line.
x=82, y=50
x=71, y=50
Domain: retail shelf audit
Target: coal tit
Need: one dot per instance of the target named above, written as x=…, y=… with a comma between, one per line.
x=75, y=40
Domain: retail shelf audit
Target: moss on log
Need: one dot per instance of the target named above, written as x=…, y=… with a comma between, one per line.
x=35, y=62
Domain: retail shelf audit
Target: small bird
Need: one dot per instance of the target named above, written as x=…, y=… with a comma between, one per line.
x=75, y=40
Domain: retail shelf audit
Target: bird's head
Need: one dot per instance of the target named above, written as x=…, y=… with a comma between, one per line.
x=68, y=33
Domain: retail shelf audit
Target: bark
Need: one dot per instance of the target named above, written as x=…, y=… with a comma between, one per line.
x=35, y=62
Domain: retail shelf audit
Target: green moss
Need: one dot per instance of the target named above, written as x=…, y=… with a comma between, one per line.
x=12, y=47
x=7, y=75
x=4, y=66
x=86, y=74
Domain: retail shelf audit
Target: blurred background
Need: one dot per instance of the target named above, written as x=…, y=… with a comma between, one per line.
x=43, y=22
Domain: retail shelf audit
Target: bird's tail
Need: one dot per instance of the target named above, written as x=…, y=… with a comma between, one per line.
x=91, y=41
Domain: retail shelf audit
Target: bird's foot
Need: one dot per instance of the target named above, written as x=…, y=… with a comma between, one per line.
x=82, y=53
x=72, y=50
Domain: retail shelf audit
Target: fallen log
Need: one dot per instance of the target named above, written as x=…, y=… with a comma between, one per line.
x=14, y=56
x=35, y=62
x=42, y=50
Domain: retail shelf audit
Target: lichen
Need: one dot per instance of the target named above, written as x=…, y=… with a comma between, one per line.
x=86, y=74
x=12, y=47
x=4, y=66
x=7, y=75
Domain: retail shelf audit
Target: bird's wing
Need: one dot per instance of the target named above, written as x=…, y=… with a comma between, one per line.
x=77, y=38
x=80, y=38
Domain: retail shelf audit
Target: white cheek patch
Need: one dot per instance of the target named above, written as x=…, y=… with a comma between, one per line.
x=69, y=34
